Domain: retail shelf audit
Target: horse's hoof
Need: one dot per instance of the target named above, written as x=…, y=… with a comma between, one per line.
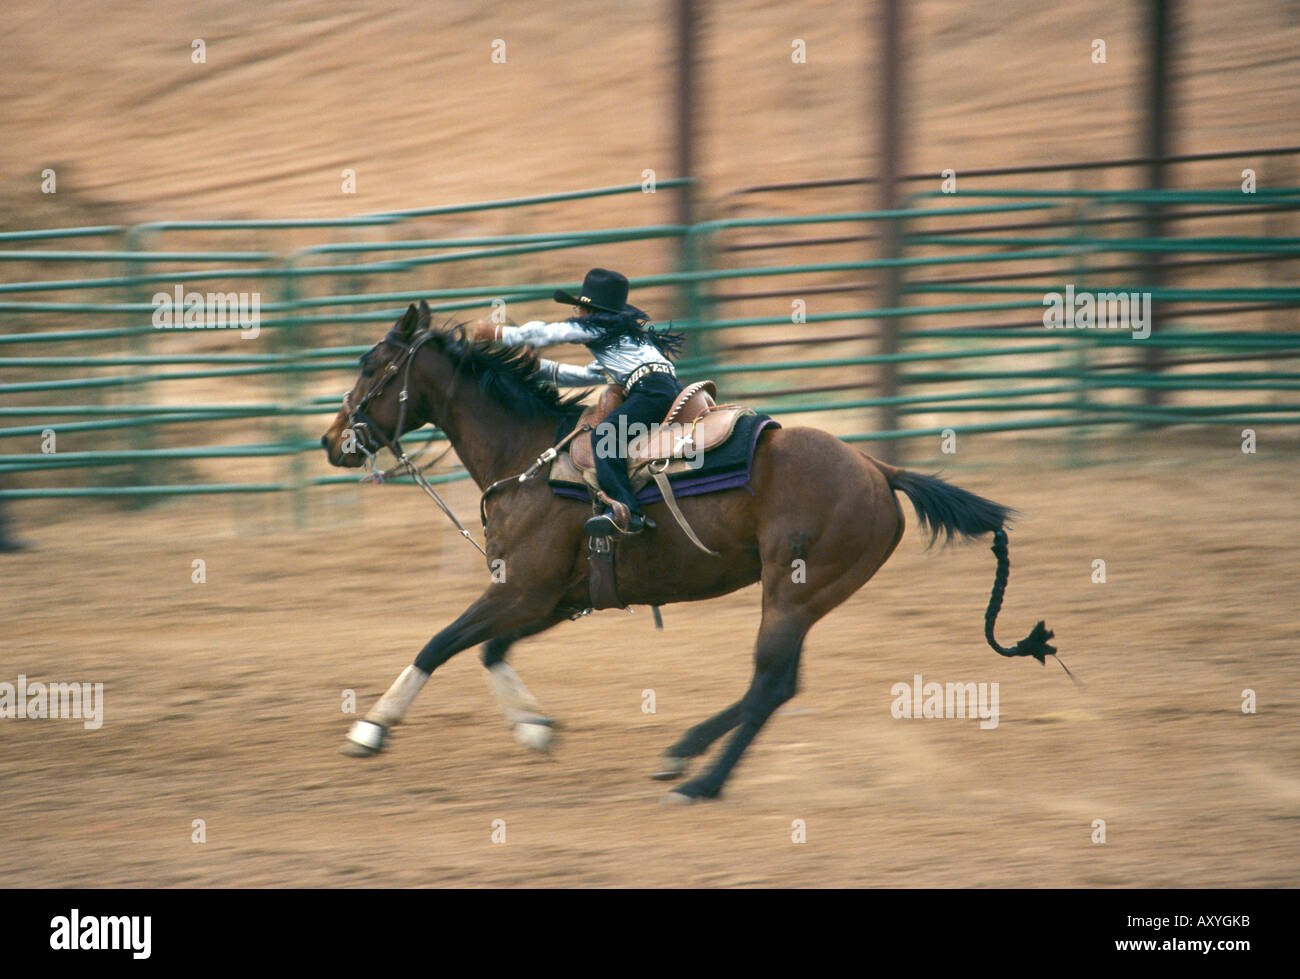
x=693, y=791
x=534, y=735
x=357, y=750
x=365, y=739
x=677, y=799
x=670, y=767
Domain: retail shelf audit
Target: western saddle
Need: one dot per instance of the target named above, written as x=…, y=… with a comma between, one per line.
x=695, y=423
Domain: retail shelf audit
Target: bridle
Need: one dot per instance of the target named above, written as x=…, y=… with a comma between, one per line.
x=366, y=432
x=363, y=426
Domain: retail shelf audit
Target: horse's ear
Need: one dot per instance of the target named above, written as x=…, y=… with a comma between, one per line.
x=422, y=321
x=406, y=325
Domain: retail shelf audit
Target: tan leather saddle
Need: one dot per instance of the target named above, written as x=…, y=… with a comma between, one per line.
x=695, y=423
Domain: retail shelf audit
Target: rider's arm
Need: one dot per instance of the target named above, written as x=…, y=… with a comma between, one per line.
x=538, y=333
x=568, y=376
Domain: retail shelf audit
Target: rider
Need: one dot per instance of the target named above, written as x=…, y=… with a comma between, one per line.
x=629, y=353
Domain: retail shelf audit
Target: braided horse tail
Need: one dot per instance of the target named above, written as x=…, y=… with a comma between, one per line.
x=950, y=510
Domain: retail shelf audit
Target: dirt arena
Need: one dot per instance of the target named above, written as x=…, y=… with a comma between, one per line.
x=223, y=701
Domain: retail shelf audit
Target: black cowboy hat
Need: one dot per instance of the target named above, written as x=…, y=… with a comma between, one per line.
x=601, y=289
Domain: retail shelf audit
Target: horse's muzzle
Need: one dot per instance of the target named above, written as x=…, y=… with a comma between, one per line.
x=335, y=457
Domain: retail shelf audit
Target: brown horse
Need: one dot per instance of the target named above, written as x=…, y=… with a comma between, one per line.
x=816, y=522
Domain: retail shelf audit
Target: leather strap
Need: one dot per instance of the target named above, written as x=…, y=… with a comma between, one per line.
x=602, y=584
x=665, y=487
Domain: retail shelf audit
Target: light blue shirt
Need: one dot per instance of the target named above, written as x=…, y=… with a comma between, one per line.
x=611, y=366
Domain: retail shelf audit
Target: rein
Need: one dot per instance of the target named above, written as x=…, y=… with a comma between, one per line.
x=530, y=472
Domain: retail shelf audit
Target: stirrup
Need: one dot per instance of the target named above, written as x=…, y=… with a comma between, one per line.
x=601, y=526
x=606, y=525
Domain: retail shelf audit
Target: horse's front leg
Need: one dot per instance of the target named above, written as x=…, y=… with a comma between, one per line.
x=531, y=726
x=496, y=612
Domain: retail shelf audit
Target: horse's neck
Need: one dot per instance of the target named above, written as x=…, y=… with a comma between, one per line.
x=491, y=443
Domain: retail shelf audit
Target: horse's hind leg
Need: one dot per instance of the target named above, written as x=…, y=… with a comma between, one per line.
x=841, y=549
x=531, y=726
x=697, y=741
x=700, y=738
x=776, y=673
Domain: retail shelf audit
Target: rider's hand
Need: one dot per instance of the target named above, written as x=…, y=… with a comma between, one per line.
x=484, y=330
x=531, y=356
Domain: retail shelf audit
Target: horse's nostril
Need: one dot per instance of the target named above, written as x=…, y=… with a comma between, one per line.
x=324, y=441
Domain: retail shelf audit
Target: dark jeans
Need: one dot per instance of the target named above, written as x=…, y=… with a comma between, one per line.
x=646, y=405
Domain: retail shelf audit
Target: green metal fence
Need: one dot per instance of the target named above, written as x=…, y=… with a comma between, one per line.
x=135, y=411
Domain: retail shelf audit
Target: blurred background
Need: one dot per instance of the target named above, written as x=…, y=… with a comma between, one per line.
x=855, y=211
x=743, y=163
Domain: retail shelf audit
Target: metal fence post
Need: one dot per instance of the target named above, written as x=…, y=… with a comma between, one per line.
x=144, y=472
x=287, y=426
x=1159, y=138
x=889, y=145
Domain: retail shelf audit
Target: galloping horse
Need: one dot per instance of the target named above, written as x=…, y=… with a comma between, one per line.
x=811, y=498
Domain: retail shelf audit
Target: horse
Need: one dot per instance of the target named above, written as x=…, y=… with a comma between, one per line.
x=813, y=503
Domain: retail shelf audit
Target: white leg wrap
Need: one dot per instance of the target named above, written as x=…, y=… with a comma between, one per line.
x=516, y=702
x=534, y=736
x=393, y=705
x=367, y=734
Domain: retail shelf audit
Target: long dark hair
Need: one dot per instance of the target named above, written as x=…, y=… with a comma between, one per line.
x=633, y=324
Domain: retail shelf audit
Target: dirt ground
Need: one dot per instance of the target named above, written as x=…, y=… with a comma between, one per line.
x=223, y=701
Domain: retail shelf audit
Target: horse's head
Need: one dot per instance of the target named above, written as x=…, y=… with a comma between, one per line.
x=379, y=409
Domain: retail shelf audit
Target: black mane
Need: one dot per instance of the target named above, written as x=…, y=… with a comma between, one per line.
x=507, y=376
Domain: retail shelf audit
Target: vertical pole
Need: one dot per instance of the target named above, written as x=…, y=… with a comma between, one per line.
x=1159, y=146
x=889, y=151
x=1078, y=359
x=1276, y=225
x=144, y=472
x=686, y=28
x=291, y=340
x=688, y=259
